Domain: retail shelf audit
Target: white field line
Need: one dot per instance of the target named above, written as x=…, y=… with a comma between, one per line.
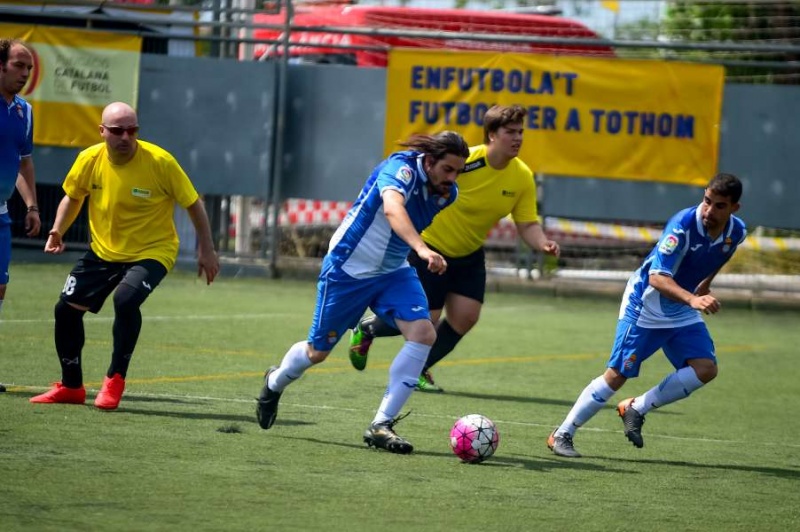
x=188, y=317
x=229, y=317
x=432, y=416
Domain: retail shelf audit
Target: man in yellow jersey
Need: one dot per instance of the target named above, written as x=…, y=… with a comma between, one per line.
x=132, y=187
x=494, y=183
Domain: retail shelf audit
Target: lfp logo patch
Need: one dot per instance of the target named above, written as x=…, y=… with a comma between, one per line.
x=404, y=174
x=668, y=245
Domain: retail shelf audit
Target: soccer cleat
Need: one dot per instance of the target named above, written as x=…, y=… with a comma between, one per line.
x=111, y=393
x=561, y=445
x=426, y=384
x=61, y=394
x=360, y=342
x=2, y=388
x=267, y=402
x=382, y=436
x=633, y=421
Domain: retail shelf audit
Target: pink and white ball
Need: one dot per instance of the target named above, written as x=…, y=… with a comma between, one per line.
x=474, y=438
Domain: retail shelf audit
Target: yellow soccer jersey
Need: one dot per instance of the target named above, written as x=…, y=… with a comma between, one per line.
x=485, y=195
x=131, y=206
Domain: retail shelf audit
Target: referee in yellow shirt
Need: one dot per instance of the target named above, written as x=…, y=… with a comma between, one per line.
x=494, y=184
x=132, y=187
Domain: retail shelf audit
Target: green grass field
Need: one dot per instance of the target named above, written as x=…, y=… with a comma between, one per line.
x=184, y=451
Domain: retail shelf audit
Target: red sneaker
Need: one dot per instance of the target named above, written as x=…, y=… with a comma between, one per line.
x=111, y=392
x=61, y=394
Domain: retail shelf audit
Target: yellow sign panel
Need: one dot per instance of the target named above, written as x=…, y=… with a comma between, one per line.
x=590, y=117
x=76, y=74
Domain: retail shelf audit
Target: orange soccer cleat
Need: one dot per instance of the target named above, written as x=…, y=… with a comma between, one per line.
x=111, y=392
x=61, y=394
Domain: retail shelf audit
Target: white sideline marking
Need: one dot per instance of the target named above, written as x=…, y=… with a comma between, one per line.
x=196, y=317
x=432, y=416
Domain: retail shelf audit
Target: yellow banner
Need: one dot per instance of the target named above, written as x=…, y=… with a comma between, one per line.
x=590, y=117
x=75, y=75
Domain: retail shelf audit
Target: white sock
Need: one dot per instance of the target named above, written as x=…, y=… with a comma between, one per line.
x=589, y=402
x=674, y=387
x=403, y=376
x=295, y=362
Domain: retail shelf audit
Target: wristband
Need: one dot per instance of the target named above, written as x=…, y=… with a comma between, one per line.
x=33, y=208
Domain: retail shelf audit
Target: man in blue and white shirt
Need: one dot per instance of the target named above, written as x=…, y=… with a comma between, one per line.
x=16, y=147
x=366, y=267
x=661, y=309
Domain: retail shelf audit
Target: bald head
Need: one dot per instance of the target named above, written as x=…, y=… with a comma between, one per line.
x=119, y=129
x=119, y=112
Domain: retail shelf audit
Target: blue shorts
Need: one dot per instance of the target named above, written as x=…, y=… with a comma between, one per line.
x=633, y=345
x=5, y=247
x=342, y=300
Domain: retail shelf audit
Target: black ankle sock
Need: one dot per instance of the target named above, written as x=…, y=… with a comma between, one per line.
x=69, y=337
x=446, y=340
x=377, y=328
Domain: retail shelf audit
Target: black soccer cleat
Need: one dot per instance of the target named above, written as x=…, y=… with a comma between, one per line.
x=632, y=421
x=267, y=403
x=382, y=436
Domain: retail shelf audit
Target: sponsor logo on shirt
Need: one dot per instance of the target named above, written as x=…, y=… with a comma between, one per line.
x=474, y=165
x=509, y=194
x=668, y=245
x=95, y=186
x=696, y=247
x=404, y=174
x=141, y=192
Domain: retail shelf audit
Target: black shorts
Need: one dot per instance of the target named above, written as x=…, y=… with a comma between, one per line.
x=93, y=279
x=465, y=276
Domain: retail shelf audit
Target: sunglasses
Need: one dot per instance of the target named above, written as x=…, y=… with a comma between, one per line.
x=118, y=131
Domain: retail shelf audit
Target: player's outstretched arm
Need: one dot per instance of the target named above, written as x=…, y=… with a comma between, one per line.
x=533, y=235
x=667, y=286
x=207, y=260
x=26, y=185
x=68, y=210
x=395, y=210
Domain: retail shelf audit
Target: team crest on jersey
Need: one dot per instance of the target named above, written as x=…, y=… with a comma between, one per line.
x=727, y=246
x=668, y=245
x=404, y=174
x=141, y=192
x=19, y=111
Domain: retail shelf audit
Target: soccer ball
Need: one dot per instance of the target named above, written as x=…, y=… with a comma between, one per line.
x=474, y=438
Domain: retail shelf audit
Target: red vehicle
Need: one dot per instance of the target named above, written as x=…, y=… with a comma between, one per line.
x=410, y=18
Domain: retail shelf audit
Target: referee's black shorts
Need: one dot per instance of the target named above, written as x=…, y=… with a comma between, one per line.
x=465, y=276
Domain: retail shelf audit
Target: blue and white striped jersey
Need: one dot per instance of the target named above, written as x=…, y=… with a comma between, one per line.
x=364, y=245
x=16, y=140
x=687, y=254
